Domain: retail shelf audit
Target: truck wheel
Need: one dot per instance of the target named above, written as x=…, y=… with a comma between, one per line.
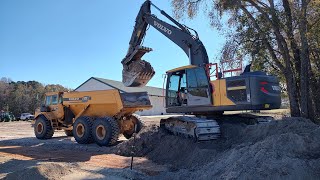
x=43, y=128
x=105, y=131
x=82, y=130
x=68, y=132
x=135, y=120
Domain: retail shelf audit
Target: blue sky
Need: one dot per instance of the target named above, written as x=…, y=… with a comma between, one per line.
x=67, y=42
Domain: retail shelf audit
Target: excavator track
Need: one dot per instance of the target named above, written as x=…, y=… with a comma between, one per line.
x=207, y=128
x=192, y=127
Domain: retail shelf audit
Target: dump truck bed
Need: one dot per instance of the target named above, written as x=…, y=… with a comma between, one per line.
x=106, y=102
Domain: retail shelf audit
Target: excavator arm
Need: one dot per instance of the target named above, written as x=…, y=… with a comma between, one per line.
x=137, y=72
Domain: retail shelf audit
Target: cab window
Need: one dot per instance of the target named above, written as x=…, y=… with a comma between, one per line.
x=174, y=82
x=183, y=83
x=48, y=100
x=60, y=99
x=201, y=77
x=192, y=80
x=54, y=100
x=197, y=82
x=197, y=78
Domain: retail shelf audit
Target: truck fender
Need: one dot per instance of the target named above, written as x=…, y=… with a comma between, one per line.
x=45, y=116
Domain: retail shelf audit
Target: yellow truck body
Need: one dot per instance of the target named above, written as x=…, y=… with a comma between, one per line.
x=80, y=112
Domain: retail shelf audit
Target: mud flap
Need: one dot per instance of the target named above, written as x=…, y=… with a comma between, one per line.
x=68, y=116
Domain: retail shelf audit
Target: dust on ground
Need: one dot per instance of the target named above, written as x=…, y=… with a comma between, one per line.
x=282, y=149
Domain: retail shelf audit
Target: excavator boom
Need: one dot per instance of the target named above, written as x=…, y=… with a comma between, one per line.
x=137, y=72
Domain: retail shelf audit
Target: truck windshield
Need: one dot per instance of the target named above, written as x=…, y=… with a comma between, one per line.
x=48, y=100
x=54, y=100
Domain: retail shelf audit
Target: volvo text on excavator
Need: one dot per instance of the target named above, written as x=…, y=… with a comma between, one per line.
x=189, y=89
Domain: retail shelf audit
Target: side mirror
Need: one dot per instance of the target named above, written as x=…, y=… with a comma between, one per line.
x=219, y=75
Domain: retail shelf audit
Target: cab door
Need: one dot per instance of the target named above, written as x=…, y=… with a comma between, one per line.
x=172, y=90
x=198, y=88
x=56, y=106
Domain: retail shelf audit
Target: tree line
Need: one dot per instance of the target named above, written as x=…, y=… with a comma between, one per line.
x=278, y=36
x=21, y=97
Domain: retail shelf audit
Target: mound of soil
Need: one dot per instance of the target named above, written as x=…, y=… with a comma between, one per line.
x=42, y=171
x=57, y=171
x=145, y=141
x=287, y=148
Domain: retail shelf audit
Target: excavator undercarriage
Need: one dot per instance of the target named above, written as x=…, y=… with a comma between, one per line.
x=192, y=127
x=204, y=128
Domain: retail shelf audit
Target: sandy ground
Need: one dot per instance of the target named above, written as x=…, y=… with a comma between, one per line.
x=287, y=148
x=22, y=156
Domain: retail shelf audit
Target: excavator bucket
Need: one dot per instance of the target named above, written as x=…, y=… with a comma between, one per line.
x=138, y=72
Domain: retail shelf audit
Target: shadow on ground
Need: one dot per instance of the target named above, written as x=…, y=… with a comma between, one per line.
x=60, y=149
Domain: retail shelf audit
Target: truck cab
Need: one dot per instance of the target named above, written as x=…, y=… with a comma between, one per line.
x=52, y=106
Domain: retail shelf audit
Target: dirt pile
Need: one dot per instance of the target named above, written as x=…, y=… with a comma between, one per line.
x=146, y=141
x=42, y=171
x=288, y=149
x=55, y=171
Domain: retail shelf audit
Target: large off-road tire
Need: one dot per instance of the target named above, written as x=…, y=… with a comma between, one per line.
x=43, y=128
x=105, y=131
x=136, y=120
x=82, y=130
x=68, y=132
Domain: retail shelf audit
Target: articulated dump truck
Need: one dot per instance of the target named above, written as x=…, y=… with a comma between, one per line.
x=91, y=116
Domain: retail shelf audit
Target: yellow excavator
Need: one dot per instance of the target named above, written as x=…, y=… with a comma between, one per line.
x=189, y=89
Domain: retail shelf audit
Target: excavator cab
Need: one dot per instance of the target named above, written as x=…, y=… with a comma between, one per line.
x=188, y=86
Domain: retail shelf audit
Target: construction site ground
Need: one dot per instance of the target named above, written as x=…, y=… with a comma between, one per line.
x=287, y=148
